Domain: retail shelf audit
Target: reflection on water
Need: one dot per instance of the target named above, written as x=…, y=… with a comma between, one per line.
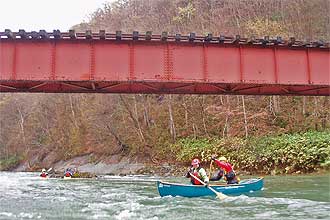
x=26, y=196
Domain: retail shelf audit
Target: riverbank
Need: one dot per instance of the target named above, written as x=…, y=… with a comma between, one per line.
x=121, y=165
x=297, y=153
x=113, y=165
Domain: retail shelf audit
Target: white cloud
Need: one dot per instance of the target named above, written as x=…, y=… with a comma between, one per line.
x=33, y=15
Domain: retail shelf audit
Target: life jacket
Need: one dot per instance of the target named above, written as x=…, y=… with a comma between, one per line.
x=229, y=173
x=68, y=174
x=196, y=174
x=231, y=177
x=43, y=174
x=218, y=175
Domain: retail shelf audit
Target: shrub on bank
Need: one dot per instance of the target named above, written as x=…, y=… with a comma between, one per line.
x=287, y=153
x=10, y=162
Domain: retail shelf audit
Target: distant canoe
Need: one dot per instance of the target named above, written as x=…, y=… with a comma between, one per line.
x=184, y=190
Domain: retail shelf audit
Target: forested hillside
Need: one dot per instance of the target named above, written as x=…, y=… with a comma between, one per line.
x=158, y=128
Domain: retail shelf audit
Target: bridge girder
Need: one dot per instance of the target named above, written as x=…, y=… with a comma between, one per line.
x=144, y=64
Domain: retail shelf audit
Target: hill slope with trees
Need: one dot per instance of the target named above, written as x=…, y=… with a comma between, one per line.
x=281, y=134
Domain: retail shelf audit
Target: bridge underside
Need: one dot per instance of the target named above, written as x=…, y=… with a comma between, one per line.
x=160, y=88
x=147, y=64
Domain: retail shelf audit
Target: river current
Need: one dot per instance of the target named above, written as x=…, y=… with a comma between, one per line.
x=26, y=196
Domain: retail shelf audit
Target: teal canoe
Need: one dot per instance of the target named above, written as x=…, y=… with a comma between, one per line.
x=188, y=190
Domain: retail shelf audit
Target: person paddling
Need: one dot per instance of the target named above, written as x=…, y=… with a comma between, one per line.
x=43, y=174
x=198, y=172
x=68, y=172
x=228, y=169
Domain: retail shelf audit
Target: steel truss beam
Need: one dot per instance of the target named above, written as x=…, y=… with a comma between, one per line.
x=105, y=63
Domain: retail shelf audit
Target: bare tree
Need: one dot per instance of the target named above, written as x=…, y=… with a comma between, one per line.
x=245, y=121
x=225, y=131
x=171, y=120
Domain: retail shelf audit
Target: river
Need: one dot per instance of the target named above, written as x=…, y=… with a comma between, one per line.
x=26, y=196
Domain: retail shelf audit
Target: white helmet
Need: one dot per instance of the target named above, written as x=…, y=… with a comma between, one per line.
x=43, y=170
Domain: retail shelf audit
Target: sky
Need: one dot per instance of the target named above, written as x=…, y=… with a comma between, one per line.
x=34, y=15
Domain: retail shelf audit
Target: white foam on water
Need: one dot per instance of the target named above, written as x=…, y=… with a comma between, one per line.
x=100, y=215
x=63, y=198
x=154, y=218
x=114, y=195
x=231, y=199
x=25, y=215
x=12, y=187
x=125, y=214
x=99, y=206
x=7, y=214
x=243, y=199
x=311, y=207
x=97, y=210
x=7, y=182
x=267, y=214
x=133, y=178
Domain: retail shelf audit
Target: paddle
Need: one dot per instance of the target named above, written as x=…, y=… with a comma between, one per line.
x=49, y=170
x=220, y=195
x=210, y=173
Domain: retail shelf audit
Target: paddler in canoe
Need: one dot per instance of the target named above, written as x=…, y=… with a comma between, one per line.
x=229, y=173
x=198, y=177
x=44, y=173
x=74, y=173
x=198, y=172
x=68, y=173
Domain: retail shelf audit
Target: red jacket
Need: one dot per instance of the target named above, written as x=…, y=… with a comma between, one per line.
x=224, y=165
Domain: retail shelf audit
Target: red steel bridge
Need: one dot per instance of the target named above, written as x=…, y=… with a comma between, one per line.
x=103, y=62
